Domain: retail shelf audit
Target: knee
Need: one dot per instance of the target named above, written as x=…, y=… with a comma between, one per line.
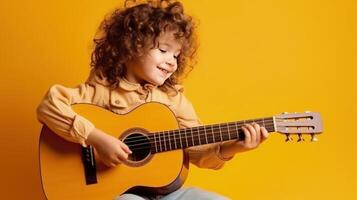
x=129, y=197
x=197, y=193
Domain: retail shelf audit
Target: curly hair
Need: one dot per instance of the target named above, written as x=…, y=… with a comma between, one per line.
x=130, y=31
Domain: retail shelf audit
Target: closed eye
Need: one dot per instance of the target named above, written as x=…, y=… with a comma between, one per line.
x=163, y=51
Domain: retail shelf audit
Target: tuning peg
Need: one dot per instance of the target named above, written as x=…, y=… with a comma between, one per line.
x=288, y=137
x=313, y=137
x=300, y=137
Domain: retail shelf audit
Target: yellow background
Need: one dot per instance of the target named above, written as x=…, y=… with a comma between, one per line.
x=256, y=58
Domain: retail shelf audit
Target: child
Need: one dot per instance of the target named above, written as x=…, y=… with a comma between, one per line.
x=141, y=56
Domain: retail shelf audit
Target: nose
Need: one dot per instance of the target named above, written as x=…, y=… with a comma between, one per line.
x=171, y=60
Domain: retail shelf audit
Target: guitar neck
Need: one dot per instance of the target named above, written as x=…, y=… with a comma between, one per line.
x=200, y=135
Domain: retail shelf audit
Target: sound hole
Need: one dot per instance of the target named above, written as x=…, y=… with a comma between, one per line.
x=139, y=144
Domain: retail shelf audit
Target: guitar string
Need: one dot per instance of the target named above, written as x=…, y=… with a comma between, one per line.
x=172, y=136
x=205, y=127
x=179, y=132
x=176, y=148
x=169, y=149
x=171, y=140
x=165, y=135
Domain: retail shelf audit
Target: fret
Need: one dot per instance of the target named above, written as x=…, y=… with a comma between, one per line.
x=234, y=134
x=205, y=134
x=237, y=133
x=225, y=132
x=165, y=141
x=202, y=135
x=273, y=126
x=263, y=122
x=216, y=134
x=185, y=142
x=220, y=131
x=180, y=138
x=155, y=142
x=195, y=134
x=168, y=134
x=199, y=136
x=193, y=141
x=211, y=138
x=186, y=137
x=229, y=133
x=169, y=141
x=160, y=143
x=213, y=135
x=174, y=139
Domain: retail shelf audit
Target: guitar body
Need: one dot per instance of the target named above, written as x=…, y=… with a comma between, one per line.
x=62, y=168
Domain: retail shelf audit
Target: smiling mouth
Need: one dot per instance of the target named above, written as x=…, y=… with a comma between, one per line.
x=163, y=70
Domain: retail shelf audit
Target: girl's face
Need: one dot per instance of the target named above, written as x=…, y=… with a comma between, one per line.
x=156, y=65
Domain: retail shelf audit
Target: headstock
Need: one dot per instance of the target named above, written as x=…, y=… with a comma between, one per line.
x=299, y=124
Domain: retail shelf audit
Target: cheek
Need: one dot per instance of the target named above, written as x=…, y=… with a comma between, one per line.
x=153, y=57
x=175, y=69
x=147, y=65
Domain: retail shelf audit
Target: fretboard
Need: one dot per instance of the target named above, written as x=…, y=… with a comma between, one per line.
x=200, y=135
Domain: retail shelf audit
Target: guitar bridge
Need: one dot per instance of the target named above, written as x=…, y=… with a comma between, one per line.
x=90, y=171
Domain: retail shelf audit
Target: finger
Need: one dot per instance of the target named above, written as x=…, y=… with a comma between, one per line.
x=116, y=161
x=248, y=138
x=112, y=164
x=264, y=132
x=108, y=163
x=125, y=148
x=257, y=130
x=253, y=134
x=122, y=155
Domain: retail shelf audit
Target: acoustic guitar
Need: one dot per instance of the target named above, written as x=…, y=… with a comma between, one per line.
x=158, y=164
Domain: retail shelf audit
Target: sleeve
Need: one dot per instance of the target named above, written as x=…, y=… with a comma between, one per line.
x=55, y=111
x=204, y=156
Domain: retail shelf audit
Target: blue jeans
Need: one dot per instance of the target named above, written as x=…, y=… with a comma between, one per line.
x=180, y=194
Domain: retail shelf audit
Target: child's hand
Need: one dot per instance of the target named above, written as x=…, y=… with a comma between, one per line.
x=110, y=150
x=254, y=135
